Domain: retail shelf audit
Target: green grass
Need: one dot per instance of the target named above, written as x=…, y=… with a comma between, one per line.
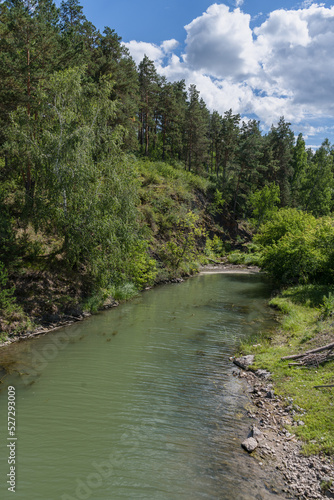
x=302, y=328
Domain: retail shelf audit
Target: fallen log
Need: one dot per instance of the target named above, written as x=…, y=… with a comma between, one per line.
x=319, y=349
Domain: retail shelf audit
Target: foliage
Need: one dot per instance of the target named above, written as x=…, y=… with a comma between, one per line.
x=297, y=247
x=182, y=245
x=7, y=237
x=124, y=291
x=264, y=202
x=214, y=248
x=141, y=268
x=6, y=294
x=85, y=187
x=327, y=305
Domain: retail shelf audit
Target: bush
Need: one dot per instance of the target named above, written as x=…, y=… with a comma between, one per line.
x=6, y=294
x=297, y=247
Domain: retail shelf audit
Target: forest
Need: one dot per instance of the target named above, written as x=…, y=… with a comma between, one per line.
x=113, y=178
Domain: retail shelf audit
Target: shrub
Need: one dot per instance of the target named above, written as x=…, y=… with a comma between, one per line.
x=297, y=247
x=6, y=294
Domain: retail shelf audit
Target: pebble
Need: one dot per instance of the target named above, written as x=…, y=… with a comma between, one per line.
x=305, y=477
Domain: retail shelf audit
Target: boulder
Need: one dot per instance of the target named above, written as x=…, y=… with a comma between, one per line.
x=257, y=434
x=244, y=362
x=250, y=444
x=264, y=374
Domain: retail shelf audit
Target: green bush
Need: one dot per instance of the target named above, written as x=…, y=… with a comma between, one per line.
x=125, y=291
x=297, y=247
x=142, y=269
x=214, y=248
x=6, y=294
x=327, y=306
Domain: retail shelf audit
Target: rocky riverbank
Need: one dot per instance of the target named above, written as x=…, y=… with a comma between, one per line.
x=274, y=446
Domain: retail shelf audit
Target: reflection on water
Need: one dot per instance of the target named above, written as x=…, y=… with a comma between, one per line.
x=138, y=402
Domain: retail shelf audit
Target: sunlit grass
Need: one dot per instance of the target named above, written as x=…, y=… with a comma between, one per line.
x=301, y=329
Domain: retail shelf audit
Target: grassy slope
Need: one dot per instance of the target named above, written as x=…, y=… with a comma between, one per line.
x=302, y=327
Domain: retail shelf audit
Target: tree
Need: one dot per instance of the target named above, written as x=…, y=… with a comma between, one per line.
x=112, y=59
x=300, y=167
x=249, y=169
x=28, y=52
x=196, y=131
x=149, y=92
x=171, y=113
x=85, y=190
x=229, y=141
x=319, y=182
x=215, y=141
x=80, y=38
x=264, y=203
x=282, y=142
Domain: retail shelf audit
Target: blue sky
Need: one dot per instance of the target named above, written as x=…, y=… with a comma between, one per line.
x=262, y=59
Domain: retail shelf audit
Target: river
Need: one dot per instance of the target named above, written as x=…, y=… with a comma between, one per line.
x=139, y=402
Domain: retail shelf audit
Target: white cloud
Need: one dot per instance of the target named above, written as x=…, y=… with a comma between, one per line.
x=154, y=52
x=220, y=43
x=285, y=66
x=139, y=49
x=169, y=45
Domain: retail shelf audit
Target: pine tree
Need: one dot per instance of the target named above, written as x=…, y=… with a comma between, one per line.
x=249, y=169
x=80, y=38
x=229, y=143
x=113, y=60
x=319, y=182
x=300, y=167
x=171, y=113
x=196, y=131
x=149, y=93
x=215, y=141
x=281, y=139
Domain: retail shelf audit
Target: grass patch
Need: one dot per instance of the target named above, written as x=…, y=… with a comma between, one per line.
x=302, y=328
x=125, y=291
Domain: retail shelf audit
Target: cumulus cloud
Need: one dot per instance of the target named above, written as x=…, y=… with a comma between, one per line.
x=139, y=49
x=295, y=50
x=285, y=66
x=220, y=43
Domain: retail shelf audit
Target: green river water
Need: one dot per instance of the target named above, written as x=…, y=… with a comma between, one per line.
x=138, y=402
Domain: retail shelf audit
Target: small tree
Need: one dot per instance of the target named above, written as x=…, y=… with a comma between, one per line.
x=264, y=202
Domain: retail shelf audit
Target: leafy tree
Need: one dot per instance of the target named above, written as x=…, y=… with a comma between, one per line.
x=264, y=202
x=28, y=52
x=85, y=188
x=182, y=247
